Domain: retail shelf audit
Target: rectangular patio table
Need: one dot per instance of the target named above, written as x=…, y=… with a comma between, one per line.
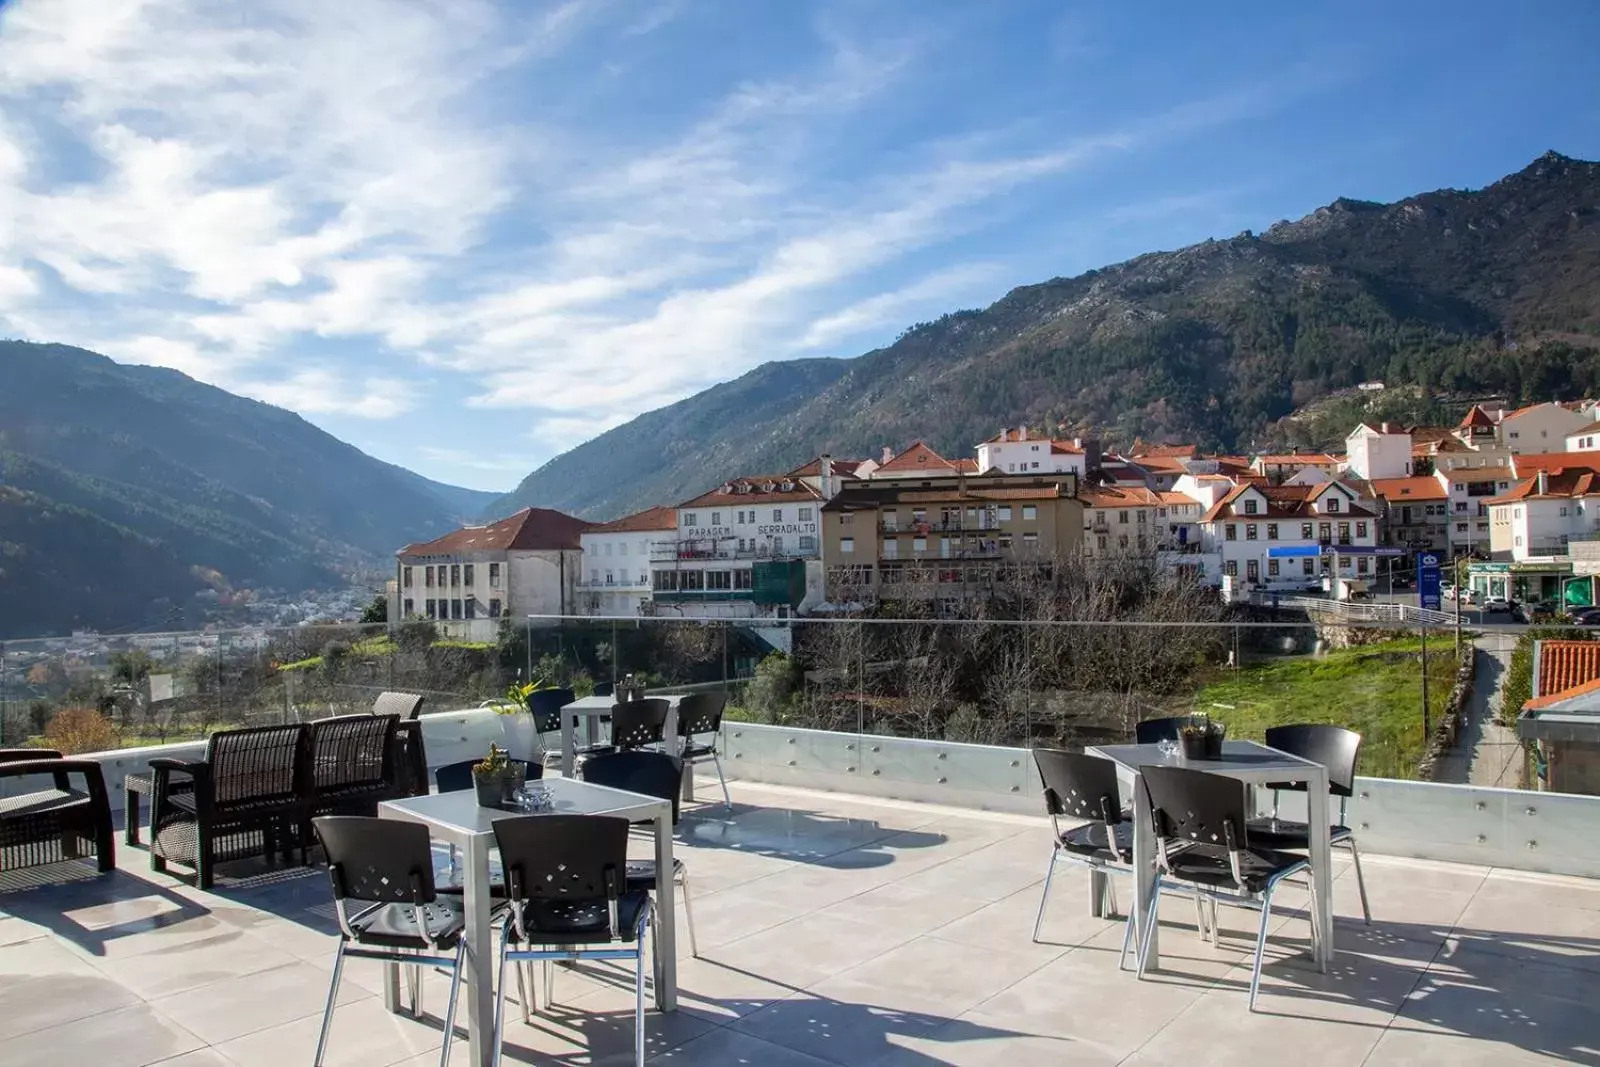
x=456, y=818
x=1252, y=763
x=592, y=709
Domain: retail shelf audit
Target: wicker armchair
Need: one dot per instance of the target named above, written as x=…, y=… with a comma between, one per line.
x=251, y=793
x=403, y=705
x=352, y=765
x=410, y=759
x=55, y=824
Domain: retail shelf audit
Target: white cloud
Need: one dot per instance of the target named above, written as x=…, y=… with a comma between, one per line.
x=889, y=309
x=324, y=392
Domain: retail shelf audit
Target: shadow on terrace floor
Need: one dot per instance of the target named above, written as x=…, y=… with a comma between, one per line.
x=799, y=835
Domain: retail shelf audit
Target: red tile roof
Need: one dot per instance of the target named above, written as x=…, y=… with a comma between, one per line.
x=1476, y=418
x=1118, y=496
x=529, y=530
x=1561, y=485
x=659, y=517
x=1555, y=461
x=752, y=489
x=842, y=468
x=1418, y=488
x=1562, y=666
x=1164, y=452
x=1593, y=427
x=1306, y=459
x=1283, y=502
x=918, y=458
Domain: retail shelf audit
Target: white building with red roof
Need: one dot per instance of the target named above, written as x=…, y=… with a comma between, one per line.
x=1282, y=538
x=616, y=561
x=1021, y=451
x=1539, y=427
x=468, y=580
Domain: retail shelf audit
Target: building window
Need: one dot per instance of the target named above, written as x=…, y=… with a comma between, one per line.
x=847, y=544
x=611, y=577
x=1003, y=514
x=1231, y=568
x=405, y=578
x=1230, y=532
x=1122, y=517
x=1308, y=566
x=777, y=544
x=1305, y=531
x=777, y=514
x=919, y=544
x=1250, y=505
x=494, y=576
x=1361, y=529
x=455, y=574
x=1143, y=516
x=408, y=609
x=1272, y=568
x=1030, y=540
x=845, y=519
x=693, y=581
x=741, y=579
x=466, y=574
x=716, y=520
x=1035, y=464
x=1250, y=531
x=427, y=577
x=808, y=543
x=455, y=609
x=1324, y=531
x=805, y=514
x=1518, y=541
x=494, y=607
x=1363, y=564
x=429, y=607
x=891, y=547
x=1333, y=503
x=1344, y=532
x=1030, y=512
x=471, y=606
x=594, y=575
x=690, y=520
x=1101, y=541
x=719, y=579
x=1272, y=531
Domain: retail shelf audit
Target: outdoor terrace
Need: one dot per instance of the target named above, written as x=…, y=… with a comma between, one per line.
x=843, y=929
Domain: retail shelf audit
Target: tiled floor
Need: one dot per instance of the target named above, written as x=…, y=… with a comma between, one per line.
x=836, y=930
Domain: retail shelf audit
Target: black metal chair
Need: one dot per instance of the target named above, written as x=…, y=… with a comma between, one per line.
x=634, y=724
x=1203, y=846
x=1153, y=731
x=699, y=728
x=250, y=793
x=1337, y=749
x=545, y=706
x=653, y=774
x=568, y=881
x=59, y=823
x=1085, y=787
x=385, y=868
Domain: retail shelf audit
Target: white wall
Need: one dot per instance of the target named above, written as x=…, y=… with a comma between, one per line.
x=544, y=583
x=1543, y=428
x=1379, y=455
x=1031, y=457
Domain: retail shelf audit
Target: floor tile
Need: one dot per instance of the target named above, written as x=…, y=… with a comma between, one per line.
x=234, y=1007
x=127, y=1037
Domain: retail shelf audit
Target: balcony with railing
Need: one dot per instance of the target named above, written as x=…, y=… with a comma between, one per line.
x=875, y=893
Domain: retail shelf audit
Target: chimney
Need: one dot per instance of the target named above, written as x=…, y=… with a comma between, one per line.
x=1022, y=433
x=827, y=477
x=888, y=454
x=1544, y=483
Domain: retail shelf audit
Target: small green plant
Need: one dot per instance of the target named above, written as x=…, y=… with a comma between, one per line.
x=515, y=702
x=493, y=765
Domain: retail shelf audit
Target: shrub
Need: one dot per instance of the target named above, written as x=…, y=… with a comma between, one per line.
x=75, y=730
x=416, y=635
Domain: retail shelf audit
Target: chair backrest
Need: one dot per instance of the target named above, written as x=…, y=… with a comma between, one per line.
x=402, y=706
x=410, y=758
x=1151, y=731
x=636, y=723
x=260, y=763
x=1194, y=807
x=457, y=777
x=701, y=713
x=1078, y=786
x=27, y=755
x=353, y=750
x=563, y=859
x=1332, y=746
x=654, y=774
x=546, y=705
x=378, y=860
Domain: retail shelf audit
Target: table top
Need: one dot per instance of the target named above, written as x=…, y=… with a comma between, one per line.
x=1239, y=759
x=459, y=814
x=603, y=705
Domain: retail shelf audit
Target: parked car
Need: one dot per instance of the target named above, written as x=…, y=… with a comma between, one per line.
x=1586, y=617
x=1495, y=603
x=1537, y=611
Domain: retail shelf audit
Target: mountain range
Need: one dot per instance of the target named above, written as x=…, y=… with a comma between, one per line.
x=126, y=492
x=1488, y=291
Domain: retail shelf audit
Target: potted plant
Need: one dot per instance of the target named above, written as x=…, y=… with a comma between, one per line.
x=1192, y=738
x=516, y=722
x=489, y=777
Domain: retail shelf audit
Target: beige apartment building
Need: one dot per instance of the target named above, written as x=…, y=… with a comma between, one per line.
x=943, y=539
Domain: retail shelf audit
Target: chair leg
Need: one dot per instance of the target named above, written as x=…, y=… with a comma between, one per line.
x=1110, y=894
x=716, y=762
x=1261, y=943
x=1149, y=926
x=1200, y=917
x=1127, y=939
x=1361, y=883
x=522, y=990
x=1044, y=896
x=688, y=913
x=500, y=1008
x=414, y=984
x=450, y=1009
x=327, y=1011
x=638, y=1001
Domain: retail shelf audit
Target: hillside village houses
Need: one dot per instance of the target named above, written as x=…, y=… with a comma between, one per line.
x=1514, y=490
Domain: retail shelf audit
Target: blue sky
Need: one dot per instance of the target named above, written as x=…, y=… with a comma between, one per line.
x=467, y=236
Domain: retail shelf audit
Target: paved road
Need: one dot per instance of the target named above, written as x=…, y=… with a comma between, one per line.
x=1486, y=753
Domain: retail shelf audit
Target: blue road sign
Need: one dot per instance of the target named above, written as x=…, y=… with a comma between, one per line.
x=1428, y=581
